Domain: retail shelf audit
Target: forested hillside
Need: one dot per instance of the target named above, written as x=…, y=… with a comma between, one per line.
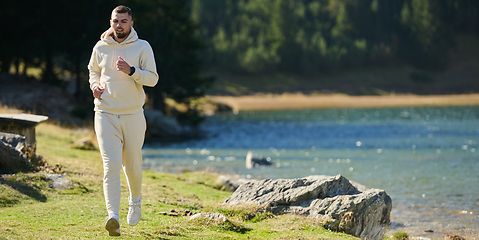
x=311, y=36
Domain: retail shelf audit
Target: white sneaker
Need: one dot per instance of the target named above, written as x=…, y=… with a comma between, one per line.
x=112, y=225
x=134, y=212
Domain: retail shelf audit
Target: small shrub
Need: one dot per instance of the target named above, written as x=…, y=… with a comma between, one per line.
x=261, y=216
x=400, y=236
x=245, y=212
x=231, y=226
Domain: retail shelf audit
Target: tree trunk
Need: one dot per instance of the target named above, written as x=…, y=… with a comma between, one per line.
x=6, y=61
x=17, y=66
x=48, y=71
x=159, y=101
x=25, y=66
x=78, y=80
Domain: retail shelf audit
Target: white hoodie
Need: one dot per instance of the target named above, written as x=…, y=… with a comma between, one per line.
x=123, y=94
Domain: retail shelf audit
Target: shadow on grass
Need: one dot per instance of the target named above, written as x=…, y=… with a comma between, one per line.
x=152, y=236
x=233, y=227
x=25, y=189
x=156, y=235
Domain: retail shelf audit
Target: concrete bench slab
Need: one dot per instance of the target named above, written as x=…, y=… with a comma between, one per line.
x=21, y=124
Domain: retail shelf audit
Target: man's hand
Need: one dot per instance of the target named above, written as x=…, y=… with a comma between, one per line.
x=122, y=65
x=98, y=91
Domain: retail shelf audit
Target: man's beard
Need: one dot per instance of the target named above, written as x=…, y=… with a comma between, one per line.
x=122, y=34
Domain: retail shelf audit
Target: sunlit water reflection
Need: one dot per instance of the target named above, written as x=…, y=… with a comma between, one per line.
x=426, y=159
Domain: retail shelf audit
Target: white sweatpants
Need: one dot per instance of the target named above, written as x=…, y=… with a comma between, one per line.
x=120, y=138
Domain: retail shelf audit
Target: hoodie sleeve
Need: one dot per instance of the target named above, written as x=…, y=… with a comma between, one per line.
x=94, y=69
x=146, y=74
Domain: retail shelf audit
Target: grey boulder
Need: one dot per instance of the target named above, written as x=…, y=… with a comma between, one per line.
x=12, y=152
x=355, y=210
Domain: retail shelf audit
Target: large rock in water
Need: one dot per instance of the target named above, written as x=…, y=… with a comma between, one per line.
x=363, y=213
x=163, y=127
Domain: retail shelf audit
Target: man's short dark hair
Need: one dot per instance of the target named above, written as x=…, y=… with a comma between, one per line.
x=123, y=9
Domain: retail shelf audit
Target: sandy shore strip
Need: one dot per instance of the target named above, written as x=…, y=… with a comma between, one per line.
x=298, y=101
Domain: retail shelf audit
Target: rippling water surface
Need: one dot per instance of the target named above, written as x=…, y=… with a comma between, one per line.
x=426, y=159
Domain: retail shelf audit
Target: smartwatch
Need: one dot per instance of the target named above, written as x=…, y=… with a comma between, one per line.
x=132, y=70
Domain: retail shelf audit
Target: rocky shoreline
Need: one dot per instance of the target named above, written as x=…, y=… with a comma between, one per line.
x=346, y=205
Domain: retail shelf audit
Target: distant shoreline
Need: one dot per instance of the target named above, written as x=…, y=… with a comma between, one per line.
x=301, y=101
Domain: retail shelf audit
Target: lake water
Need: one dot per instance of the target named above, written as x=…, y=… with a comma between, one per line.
x=426, y=159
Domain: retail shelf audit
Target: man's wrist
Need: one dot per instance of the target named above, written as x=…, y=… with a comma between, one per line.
x=132, y=70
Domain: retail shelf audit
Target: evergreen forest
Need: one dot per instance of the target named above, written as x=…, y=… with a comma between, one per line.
x=190, y=37
x=310, y=36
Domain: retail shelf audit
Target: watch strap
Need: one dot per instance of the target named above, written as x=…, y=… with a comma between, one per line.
x=132, y=70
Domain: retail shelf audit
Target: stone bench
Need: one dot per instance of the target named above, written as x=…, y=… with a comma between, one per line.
x=22, y=124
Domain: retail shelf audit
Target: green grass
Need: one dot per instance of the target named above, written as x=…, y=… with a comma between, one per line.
x=30, y=209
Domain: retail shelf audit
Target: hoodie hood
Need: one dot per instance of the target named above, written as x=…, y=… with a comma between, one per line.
x=106, y=37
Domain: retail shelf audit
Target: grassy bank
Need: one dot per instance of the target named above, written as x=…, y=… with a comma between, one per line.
x=30, y=209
